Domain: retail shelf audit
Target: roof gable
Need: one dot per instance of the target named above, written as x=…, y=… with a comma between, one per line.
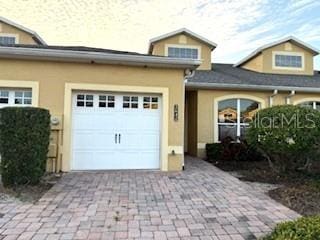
x=36, y=37
x=292, y=39
x=185, y=31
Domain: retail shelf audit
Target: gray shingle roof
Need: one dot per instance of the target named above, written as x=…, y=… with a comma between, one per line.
x=227, y=74
x=73, y=48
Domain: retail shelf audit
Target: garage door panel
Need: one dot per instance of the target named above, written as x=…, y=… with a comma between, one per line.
x=83, y=121
x=93, y=160
x=115, y=137
x=141, y=160
x=86, y=139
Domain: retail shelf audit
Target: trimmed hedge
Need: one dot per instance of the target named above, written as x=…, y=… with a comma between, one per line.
x=24, y=141
x=305, y=228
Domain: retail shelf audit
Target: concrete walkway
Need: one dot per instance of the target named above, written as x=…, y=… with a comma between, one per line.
x=200, y=203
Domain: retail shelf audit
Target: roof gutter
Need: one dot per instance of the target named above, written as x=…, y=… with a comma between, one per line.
x=96, y=57
x=190, y=85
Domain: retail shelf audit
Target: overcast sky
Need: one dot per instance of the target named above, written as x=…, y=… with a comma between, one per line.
x=238, y=26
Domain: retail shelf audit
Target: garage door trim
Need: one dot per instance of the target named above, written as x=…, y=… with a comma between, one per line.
x=67, y=136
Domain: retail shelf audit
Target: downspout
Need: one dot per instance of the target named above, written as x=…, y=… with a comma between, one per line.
x=288, y=98
x=275, y=92
x=188, y=73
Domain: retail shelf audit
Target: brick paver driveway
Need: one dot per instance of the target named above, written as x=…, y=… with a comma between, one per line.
x=200, y=203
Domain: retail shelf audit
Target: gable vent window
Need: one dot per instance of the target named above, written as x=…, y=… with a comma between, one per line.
x=6, y=40
x=288, y=61
x=178, y=52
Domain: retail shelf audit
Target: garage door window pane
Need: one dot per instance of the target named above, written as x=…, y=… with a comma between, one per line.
x=89, y=104
x=150, y=103
x=106, y=101
x=84, y=100
x=130, y=102
x=146, y=102
x=80, y=97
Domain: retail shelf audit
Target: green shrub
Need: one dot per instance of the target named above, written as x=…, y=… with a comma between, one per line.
x=306, y=228
x=24, y=140
x=288, y=135
x=228, y=150
x=214, y=151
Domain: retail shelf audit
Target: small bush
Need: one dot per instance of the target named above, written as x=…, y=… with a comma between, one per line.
x=306, y=228
x=288, y=135
x=24, y=140
x=228, y=150
x=214, y=151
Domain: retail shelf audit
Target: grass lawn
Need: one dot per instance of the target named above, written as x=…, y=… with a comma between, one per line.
x=298, y=191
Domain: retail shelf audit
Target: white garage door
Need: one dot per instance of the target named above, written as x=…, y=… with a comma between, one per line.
x=116, y=131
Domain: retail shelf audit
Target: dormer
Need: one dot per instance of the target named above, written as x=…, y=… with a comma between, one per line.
x=13, y=33
x=286, y=56
x=183, y=43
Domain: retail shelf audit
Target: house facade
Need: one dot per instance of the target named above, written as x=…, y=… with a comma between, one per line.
x=124, y=110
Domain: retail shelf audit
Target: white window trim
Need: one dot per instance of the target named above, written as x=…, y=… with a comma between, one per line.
x=308, y=99
x=216, y=101
x=166, y=53
x=299, y=54
x=16, y=36
x=33, y=85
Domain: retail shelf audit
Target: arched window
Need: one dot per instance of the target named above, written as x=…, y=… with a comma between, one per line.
x=311, y=104
x=234, y=116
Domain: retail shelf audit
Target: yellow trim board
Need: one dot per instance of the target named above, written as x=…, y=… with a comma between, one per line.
x=232, y=96
x=67, y=136
x=34, y=85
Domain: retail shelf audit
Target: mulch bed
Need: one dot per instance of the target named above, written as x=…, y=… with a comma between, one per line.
x=29, y=193
x=299, y=191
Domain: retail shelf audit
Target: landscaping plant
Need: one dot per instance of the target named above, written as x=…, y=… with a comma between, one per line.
x=24, y=141
x=287, y=135
x=305, y=228
x=228, y=150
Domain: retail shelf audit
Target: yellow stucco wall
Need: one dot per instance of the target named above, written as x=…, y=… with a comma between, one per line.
x=206, y=125
x=255, y=64
x=53, y=76
x=264, y=61
x=23, y=37
x=159, y=48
